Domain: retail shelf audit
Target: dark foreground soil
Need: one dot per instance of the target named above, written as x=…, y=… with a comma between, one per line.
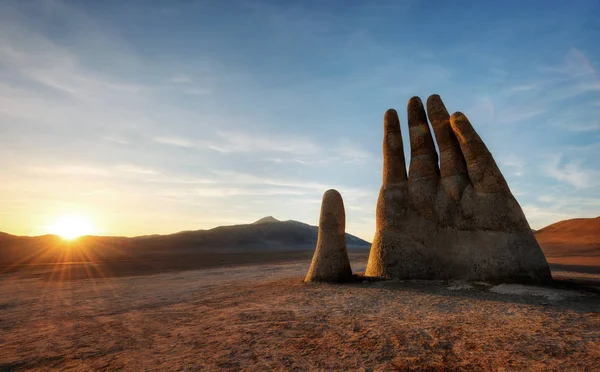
x=113, y=269
x=262, y=317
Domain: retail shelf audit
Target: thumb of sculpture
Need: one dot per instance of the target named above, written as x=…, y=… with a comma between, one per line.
x=330, y=262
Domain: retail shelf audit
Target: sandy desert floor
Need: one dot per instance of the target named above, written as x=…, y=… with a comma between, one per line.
x=262, y=317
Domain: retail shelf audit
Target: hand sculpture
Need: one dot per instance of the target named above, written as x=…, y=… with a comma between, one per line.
x=456, y=221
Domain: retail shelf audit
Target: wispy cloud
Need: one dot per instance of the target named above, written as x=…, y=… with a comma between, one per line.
x=296, y=149
x=243, y=142
x=233, y=191
x=175, y=141
x=554, y=207
x=539, y=217
x=72, y=170
x=52, y=87
x=516, y=114
x=313, y=161
x=575, y=126
x=549, y=87
x=234, y=142
x=83, y=170
x=40, y=60
x=575, y=65
x=575, y=77
x=189, y=85
x=180, y=79
x=483, y=110
x=198, y=91
x=351, y=152
x=182, y=180
x=515, y=163
x=570, y=173
x=128, y=168
x=577, y=119
x=250, y=179
x=120, y=141
x=521, y=88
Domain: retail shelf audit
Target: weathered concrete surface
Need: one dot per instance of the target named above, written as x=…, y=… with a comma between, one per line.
x=330, y=262
x=455, y=221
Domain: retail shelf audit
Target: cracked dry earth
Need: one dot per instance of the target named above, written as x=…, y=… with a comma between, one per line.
x=263, y=318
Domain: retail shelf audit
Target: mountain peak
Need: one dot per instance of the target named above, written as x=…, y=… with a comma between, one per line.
x=266, y=220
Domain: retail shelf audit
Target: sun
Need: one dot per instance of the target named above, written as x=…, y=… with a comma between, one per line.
x=71, y=227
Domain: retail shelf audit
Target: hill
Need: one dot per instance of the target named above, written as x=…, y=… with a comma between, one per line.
x=575, y=237
x=265, y=235
x=266, y=220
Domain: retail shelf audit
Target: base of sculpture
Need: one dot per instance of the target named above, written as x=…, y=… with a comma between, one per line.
x=458, y=255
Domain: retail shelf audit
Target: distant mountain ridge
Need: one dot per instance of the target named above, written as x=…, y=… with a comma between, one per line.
x=266, y=234
x=578, y=237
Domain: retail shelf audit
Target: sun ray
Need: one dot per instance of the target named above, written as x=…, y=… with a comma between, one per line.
x=71, y=227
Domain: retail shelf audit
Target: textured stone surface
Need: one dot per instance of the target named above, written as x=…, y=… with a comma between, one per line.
x=457, y=220
x=330, y=262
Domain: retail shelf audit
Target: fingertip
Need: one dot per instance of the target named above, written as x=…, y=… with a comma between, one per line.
x=390, y=121
x=436, y=109
x=415, y=100
x=459, y=121
x=458, y=116
x=416, y=112
x=432, y=99
x=390, y=113
x=424, y=159
x=332, y=194
x=462, y=128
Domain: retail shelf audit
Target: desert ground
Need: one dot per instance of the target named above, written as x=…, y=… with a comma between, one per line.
x=238, y=313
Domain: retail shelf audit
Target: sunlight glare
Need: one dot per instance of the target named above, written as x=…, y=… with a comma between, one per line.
x=71, y=227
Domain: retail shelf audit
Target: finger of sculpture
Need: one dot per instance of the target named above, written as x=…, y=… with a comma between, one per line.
x=483, y=170
x=394, y=167
x=330, y=262
x=333, y=214
x=423, y=157
x=452, y=163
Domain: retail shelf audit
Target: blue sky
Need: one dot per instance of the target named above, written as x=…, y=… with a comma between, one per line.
x=160, y=116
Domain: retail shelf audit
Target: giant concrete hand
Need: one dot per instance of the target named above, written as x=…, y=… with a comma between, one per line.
x=455, y=221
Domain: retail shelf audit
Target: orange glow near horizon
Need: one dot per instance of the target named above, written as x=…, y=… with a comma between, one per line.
x=72, y=227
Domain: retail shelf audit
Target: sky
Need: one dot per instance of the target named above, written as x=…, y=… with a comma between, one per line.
x=160, y=116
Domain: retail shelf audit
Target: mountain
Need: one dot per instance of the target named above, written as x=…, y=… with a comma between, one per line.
x=265, y=235
x=576, y=237
x=266, y=220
